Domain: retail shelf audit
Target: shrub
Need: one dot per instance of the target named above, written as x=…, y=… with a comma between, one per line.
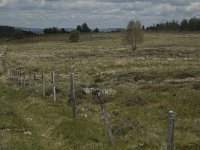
x=74, y=37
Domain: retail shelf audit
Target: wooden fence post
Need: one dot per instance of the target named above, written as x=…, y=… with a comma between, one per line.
x=15, y=77
x=54, y=86
x=72, y=95
x=29, y=79
x=24, y=76
x=105, y=115
x=34, y=78
x=170, y=140
x=11, y=74
x=21, y=77
x=18, y=76
x=43, y=86
x=35, y=81
x=8, y=73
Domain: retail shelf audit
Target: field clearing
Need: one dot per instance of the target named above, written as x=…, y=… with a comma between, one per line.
x=163, y=74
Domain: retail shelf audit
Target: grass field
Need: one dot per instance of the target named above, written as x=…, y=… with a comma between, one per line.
x=163, y=74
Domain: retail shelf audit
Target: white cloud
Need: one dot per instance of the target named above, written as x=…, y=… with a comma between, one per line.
x=101, y=13
x=164, y=9
x=194, y=7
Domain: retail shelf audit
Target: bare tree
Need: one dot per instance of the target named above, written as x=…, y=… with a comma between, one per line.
x=133, y=34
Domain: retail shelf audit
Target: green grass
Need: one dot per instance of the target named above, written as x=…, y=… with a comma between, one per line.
x=50, y=123
x=161, y=75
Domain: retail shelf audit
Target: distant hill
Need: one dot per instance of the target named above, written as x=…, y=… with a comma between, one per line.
x=69, y=29
x=6, y=31
x=110, y=30
x=35, y=30
x=40, y=30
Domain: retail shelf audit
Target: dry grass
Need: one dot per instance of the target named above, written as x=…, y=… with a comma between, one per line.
x=163, y=73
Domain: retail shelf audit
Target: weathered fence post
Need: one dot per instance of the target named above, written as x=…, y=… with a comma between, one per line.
x=35, y=81
x=72, y=95
x=21, y=77
x=105, y=115
x=18, y=76
x=8, y=73
x=11, y=74
x=54, y=86
x=15, y=76
x=24, y=76
x=43, y=85
x=29, y=79
x=34, y=78
x=170, y=140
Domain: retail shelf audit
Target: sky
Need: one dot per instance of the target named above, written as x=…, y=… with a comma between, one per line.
x=96, y=13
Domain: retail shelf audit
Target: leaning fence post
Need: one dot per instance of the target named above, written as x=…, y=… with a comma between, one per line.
x=72, y=95
x=106, y=120
x=54, y=86
x=43, y=86
x=170, y=140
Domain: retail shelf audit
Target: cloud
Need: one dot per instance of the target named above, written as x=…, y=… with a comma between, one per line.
x=171, y=2
x=97, y=13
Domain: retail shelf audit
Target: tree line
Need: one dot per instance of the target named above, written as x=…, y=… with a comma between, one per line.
x=192, y=24
x=11, y=32
x=54, y=30
x=80, y=28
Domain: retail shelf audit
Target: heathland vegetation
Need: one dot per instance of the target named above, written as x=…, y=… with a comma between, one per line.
x=162, y=74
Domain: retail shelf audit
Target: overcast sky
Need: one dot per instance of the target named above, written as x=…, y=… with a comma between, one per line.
x=96, y=13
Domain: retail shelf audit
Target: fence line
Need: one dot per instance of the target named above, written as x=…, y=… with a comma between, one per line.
x=43, y=82
x=105, y=115
x=72, y=97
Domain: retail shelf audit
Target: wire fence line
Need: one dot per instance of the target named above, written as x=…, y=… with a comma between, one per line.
x=55, y=85
x=39, y=81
